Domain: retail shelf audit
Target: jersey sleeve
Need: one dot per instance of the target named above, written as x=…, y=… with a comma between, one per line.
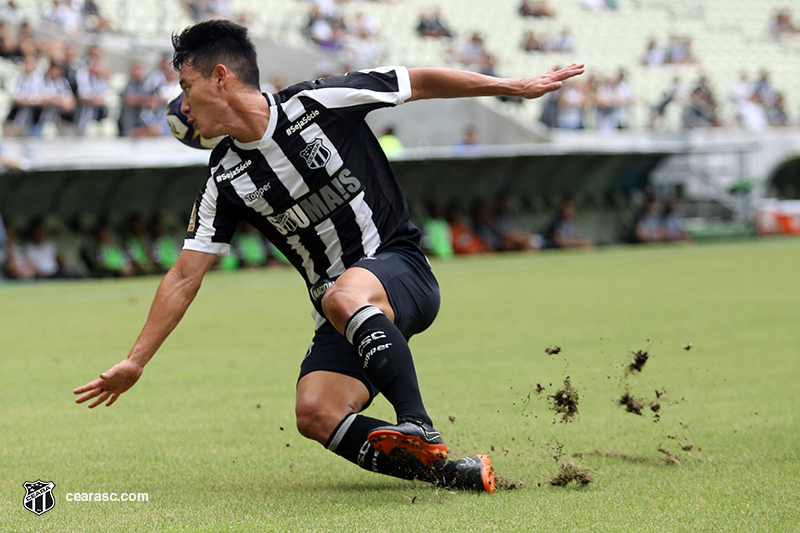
x=212, y=223
x=357, y=93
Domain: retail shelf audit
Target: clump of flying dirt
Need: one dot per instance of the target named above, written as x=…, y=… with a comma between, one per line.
x=504, y=483
x=631, y=404
x=669, y=457
x=572, y=472
x=639, y=359
x=565, y=402
x=687, y=347
x=553, y=350
x=538, y=389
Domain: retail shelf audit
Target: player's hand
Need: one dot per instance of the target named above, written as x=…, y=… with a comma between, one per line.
x=110, y=384
x=537, y=86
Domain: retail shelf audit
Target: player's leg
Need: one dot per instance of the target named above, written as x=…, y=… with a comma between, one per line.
x=326, y=408
x=359, y=309
x=377, y=304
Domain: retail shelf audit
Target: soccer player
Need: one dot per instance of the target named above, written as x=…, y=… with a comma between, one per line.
x=303, y=168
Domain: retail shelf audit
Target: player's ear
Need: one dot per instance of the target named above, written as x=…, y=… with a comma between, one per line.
x=221, y=75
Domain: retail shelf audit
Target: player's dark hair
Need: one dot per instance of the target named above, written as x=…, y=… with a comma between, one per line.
x=208, y=44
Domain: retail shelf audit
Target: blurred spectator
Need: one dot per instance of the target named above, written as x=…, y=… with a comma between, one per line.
x=57, y=101
x=701, y=110
x=624, y=99
x=674, y=93
x=64, y=15
x=159, y=84
x=137, y=246
x=437, y=238
x=367, y=25
x=135, y=100
x=8, y=43
x=325, y=27
x=165, y=248
x=530, y=43
x=647, y=224
x=672, y=222
x=653, y=55
x=26, y=42
x=390, y=143
x=16, y=265
x=431, y=24
x=752, y=114
x=10, y=13
x=28, y=92
x=93, y=20
x=361, y=50
x=465, y=239
x=782, y=24
x=605, y=102
x=776, y=113
x=107, y=257
x=470, y=141
x=92, y=81
x=473, y=54
x=571, y=107
x=679, y=51
x=42, y=253
x=549, y=116
x=562, y=232
x=501, y=237
x=536, y=8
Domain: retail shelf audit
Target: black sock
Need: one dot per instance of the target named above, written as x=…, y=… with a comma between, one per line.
x=349, y=440
x=388, y=362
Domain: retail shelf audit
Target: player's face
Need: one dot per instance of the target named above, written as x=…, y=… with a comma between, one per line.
x=201, y=102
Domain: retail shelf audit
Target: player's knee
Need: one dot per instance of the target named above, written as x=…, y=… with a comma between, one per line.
x=338, y=304
x=315, y=419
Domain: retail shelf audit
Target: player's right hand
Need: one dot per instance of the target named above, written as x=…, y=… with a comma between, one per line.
x=110, y=384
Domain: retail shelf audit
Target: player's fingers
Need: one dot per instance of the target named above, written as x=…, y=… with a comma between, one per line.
x=89, y=395
x=89, y=386
x=554, y=68
x=112, y=400
x=100, y=399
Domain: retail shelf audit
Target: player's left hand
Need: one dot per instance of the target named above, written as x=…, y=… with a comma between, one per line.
x=537, y=86
x=110, y=384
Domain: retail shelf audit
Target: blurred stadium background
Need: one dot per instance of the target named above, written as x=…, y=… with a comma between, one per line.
x=707, y=115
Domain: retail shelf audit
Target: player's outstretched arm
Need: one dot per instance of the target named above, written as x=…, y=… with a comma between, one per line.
x=175, y=293
x=429, y=83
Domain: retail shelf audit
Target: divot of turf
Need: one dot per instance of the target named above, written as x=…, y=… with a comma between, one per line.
x=552, y=350
x=631, y=404
x=669, y=457
x=565, y=402
x=572, y=472
x=639, y=359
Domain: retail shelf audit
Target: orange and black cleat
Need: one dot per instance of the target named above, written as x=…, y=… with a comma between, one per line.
x=471, y=473
x=418, y=439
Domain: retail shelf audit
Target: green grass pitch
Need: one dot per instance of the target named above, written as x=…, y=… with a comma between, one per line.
x=208, y=432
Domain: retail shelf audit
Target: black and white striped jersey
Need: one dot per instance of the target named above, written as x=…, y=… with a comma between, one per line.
x=317, y=185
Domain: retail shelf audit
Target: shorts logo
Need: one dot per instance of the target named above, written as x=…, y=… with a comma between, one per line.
x=316, y=154
x=39, y=496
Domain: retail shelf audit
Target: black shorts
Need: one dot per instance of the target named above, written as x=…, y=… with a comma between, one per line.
x=414, y=296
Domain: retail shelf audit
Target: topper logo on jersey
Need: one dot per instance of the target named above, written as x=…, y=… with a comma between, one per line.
x=318, y=205
x=316, y=154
